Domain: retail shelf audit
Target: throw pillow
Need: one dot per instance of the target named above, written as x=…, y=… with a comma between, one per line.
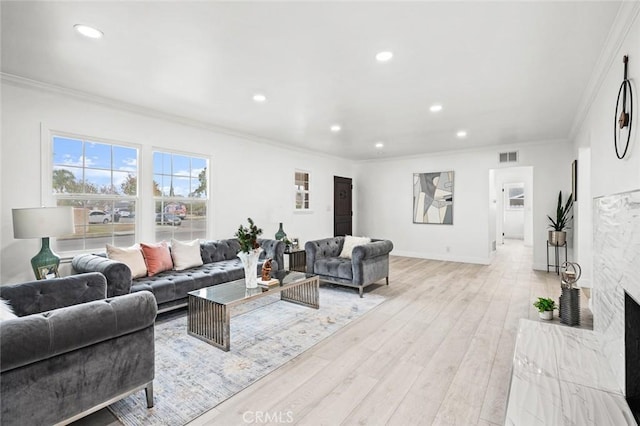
x=130, y=256
x=157, y=257
x=185, y=254
x=350, y=242
x=6, y=311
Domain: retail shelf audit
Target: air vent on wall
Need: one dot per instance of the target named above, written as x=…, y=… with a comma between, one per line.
x=508, y=157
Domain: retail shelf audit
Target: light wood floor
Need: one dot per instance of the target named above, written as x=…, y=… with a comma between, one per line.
x=437, y=351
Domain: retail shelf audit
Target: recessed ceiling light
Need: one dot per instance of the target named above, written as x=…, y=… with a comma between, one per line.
x=384, y=56
x=336, y=128
x=435, y=108
x=259, y=97
x=88, y=31
x=461, y=134
x=379, y=145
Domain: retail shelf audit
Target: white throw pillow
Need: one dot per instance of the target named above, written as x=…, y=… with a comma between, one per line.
x=185, y=254
x=350, y=242
x=130, y=256
x=6, y=311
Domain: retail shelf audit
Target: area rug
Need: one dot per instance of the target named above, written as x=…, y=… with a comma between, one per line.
x=192, y=376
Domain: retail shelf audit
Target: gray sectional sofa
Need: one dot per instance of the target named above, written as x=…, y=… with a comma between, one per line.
x=170, y=288
x=369, y=262
x=71, y=351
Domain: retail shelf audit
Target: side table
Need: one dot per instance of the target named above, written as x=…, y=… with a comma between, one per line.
x=297, y=260
x=557, y=263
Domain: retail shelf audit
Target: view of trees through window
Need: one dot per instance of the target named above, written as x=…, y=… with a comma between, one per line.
x=99, y=180
x=180, y=190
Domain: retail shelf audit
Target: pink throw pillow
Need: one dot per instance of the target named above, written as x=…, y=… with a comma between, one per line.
x=157, y=257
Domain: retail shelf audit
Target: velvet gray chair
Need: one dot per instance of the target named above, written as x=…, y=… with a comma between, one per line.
x=71, y=352
x=369, y=263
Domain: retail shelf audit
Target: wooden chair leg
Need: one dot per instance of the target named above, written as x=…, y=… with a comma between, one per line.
x=387, y=280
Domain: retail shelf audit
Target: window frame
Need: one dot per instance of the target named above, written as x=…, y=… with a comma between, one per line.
x=177, y=199
x=49, y=198
x=297, y=191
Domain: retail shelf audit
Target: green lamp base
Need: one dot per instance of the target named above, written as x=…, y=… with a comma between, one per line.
x=45, y=263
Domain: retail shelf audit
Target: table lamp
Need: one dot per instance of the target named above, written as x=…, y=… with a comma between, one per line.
x=43, y=222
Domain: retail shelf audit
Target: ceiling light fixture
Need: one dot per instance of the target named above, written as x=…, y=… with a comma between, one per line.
x=384, y=56
x=336, y=128
x=259, y=97
x=379, y=145
x=435, y=108
x=461, y=134
x=88, y=31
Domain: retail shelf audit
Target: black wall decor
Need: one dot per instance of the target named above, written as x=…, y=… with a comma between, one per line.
x=625, y=94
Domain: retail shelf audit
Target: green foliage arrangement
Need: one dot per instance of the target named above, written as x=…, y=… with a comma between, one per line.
x=543, y=304
x=248, y=237
x=562, y=213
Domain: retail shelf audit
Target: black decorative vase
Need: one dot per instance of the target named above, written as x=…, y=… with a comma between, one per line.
x=570, y=306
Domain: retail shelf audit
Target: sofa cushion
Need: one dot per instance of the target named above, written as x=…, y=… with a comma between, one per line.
x=130, y=256
x=185, y=255
x=215, y=251
x=350, y=242
x=334, y=267
x=157, y=257
x=6, y=311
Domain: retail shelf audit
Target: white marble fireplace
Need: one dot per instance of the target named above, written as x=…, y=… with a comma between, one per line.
x=616, y=266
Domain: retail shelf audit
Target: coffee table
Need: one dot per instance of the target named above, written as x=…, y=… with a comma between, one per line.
x=209, y=316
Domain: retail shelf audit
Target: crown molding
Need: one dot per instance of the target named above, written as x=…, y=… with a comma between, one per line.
x=19, y=81
x=622, y=24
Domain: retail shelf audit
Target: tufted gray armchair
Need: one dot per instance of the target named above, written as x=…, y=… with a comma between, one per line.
x=71, y=352
x=369, y=262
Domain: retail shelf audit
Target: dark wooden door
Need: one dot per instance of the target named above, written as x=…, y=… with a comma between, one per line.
x=342, y=212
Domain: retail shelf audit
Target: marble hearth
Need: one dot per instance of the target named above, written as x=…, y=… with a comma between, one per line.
x=616, y=289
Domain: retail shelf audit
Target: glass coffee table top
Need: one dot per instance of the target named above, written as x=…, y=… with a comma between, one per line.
x=235, y=291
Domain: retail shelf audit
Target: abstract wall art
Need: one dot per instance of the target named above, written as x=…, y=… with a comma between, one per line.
x=433, y=198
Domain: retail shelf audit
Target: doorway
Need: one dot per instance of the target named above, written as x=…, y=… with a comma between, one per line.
x=342, y=208
x=511, y=205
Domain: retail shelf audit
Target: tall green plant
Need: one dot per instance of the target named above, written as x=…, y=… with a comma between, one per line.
x=248, y=236
x=562, y=213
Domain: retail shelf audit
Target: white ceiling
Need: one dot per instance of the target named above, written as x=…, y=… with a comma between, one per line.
x=507, y=72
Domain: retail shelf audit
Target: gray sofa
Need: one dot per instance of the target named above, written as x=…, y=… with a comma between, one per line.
x=369, y=262
x=71, y=351
x=221, y=264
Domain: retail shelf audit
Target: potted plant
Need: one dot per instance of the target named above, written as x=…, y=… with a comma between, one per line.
x=249, y=252
x=545, y=307
x=558, y=235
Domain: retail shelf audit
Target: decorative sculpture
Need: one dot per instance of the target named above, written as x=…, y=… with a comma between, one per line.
x=266, y=270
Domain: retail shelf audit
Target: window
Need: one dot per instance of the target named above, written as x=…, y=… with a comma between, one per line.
x=515, y=195
x=180, y=185
x=302, y=190
x=99, y=180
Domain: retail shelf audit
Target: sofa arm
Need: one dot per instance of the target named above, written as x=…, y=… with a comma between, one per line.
x=118, y=274
x=371, y=250
x=326, y=247
x=45, y=295
x=26, y=340
x=275, y=250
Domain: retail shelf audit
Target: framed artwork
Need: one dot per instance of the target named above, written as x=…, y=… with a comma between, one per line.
x=433, y=198
x=574, y=180
x=48, y=272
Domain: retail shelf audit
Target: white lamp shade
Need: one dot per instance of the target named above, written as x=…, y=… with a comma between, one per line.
x=42, y=222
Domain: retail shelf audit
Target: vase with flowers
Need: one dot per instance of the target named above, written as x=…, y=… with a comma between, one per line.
x=249, y=252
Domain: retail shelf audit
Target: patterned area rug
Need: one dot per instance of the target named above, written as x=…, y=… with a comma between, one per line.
x=193, y=377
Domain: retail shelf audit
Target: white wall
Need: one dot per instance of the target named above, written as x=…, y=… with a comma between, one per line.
x=600, y=172
x=385, y=187
x=248, y=178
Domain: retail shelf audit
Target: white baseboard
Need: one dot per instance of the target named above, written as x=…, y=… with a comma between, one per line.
x=446, y=258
